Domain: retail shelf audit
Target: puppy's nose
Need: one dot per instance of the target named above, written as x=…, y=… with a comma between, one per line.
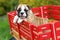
x=22, y=13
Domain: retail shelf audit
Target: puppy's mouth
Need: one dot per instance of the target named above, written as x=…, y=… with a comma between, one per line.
x=22, y=17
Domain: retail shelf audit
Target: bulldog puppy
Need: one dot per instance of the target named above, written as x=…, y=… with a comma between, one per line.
x=21, y=13
x=24, y=13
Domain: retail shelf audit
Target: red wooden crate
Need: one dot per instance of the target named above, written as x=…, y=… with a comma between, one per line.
x=25, y=30
x=10, y=18
x=31, y=32
x=41, y=11
x=38, y=33
x=54, y=7
x=57, y=27
x=55, y=14
x=13, y=27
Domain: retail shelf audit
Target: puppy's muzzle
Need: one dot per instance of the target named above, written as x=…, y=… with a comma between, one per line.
x=22, y=13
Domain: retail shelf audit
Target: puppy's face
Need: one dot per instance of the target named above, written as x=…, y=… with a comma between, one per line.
x=22, y=11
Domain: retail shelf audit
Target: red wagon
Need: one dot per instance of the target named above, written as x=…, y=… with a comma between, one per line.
x=27, y=31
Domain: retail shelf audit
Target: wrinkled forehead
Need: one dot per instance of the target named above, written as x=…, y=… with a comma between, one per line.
x=22, y=7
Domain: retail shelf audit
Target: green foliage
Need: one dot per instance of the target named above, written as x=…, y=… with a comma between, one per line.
x=2, y=12
x=54, y=2
x=7, y=5
x=35, y=3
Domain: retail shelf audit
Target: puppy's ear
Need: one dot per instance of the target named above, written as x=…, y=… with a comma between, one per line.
x=28, y=6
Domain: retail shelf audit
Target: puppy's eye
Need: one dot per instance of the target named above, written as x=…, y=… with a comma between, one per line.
x=19, y=9
x=25, y=10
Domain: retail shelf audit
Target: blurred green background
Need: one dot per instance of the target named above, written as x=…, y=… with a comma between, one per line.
x=9, y=5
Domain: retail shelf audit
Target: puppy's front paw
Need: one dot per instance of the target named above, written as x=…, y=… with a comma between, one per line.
x=14, y=21
x=19, y=20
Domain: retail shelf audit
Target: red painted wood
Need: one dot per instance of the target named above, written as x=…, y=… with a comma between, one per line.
x=31, y=32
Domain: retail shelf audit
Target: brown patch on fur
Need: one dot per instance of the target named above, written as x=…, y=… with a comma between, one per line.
x=36, y=20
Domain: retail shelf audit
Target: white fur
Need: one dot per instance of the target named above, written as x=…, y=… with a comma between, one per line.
x=23, y=6
x=16, y=18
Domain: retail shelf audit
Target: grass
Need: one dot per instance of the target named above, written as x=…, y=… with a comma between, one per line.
x=4, y=28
